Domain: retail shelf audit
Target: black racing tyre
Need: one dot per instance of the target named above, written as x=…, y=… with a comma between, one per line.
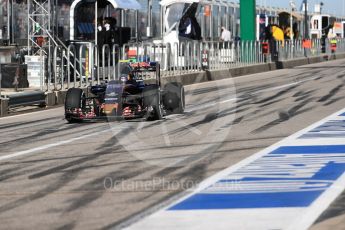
x=74, y=98
x=156, y=103
x=72, y=120
x=152, y=101
x=42, y=105
x=174, y=97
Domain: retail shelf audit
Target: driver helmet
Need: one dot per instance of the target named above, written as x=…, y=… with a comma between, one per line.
x=130, y=77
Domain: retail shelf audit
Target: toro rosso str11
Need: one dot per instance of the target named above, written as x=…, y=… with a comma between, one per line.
x=129, y=97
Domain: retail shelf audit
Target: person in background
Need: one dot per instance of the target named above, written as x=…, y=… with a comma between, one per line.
x=131, y=79
x=108, y=32
x=189, y=27
x=295, y=30
x=185, y=28
x=272, y=40
x=225, y=36
x=287, y=33
x=100, y=33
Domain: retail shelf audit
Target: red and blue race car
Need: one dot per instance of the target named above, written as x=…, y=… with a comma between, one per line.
x=129, y=97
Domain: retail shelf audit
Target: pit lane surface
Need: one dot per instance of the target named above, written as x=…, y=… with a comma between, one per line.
x=99, y=175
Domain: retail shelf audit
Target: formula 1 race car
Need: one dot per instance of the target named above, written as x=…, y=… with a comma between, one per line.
x=127, y=98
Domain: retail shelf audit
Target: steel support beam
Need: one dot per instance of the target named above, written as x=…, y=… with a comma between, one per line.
x=247, y=19
x=306, y=32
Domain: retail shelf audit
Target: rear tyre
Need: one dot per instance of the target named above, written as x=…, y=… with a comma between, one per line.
x=174, y=97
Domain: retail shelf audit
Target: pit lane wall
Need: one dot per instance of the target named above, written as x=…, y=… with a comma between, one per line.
x=57, y=97
x=214, y=75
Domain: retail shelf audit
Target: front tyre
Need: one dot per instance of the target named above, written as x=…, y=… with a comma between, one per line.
x=75, y=99
x=152, y=102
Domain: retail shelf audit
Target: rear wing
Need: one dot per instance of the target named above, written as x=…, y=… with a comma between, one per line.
x=139, y=67
x=144, y=66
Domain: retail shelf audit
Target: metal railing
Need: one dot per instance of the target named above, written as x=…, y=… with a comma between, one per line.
x=290, y=50
x=84, y=66
x=88, y=66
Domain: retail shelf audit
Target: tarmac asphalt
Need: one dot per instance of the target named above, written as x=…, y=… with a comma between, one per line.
x=103, y=175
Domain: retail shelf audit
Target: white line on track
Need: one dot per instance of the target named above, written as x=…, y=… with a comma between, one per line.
x=27, y=114
x=285, y=86
x=37, y=149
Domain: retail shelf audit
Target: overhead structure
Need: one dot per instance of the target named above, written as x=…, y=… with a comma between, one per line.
x=125, y=4
x=306, y=32
x=117, y=4
x=39, y=26
x=247, y=19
